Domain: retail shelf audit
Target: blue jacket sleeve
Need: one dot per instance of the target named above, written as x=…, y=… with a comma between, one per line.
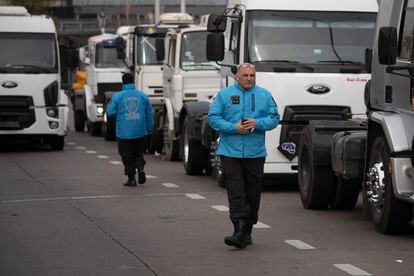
x=272, y=119
x=112, y=107
x=216, y=119
x=149, y=116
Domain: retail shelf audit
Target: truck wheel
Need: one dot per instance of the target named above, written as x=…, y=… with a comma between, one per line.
x=389, y=214
x=315, y=182
x=345, y=194
x=109, y=129
x=96, y=128
x=170, y=144
x=194, y=154
x=79, y=118
x=56, y=142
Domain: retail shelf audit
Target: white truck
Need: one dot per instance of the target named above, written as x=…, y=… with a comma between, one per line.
x=377, y=154
x=32, y=103
x=189, y=82
x=103, y=73
x=139, y=53
x=309, y=53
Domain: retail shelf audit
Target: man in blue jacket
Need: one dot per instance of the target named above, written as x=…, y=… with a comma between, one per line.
x=241, y=114
x=134, y=121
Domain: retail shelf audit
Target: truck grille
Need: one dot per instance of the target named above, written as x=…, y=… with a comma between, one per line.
x=16, y=112
x=106, y=87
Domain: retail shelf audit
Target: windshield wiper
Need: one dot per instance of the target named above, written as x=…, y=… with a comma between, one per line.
x=343, y=62
x=28, y=66
x=291, y=62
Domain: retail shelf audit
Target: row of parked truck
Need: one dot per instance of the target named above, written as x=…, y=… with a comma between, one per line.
x=341, y=74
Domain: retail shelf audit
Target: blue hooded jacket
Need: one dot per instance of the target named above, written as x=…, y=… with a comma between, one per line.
x=230, y=106
x=133, y=112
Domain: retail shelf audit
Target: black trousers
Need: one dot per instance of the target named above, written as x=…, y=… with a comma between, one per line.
x=132, y=154
x=244, y=180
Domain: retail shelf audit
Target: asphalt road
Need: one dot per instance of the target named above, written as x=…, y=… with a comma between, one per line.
x=67, y=213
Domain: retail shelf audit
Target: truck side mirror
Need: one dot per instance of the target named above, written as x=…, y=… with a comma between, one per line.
x=368, y=59
x=216, y=23
x=160, y=47
x=72, y=58
x=215, y=47
x=387, y=46
x=120, y=48
x=83, y=54
x=412, y=153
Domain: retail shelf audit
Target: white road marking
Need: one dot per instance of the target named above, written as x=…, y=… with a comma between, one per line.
x=261, y=225
x=398, y=261
x=103, y=157
x=71, y=143
x=60, y=198
x=170, y=185
x=299, y=244
x=150, y=176
x=90, y=151
x=352, y=270
x=221, y=208
x=195, y=196
x=80, y=148
x=116, y=162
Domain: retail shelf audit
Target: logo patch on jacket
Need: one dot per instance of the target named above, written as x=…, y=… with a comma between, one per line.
x=235, y=99
x=132, y=104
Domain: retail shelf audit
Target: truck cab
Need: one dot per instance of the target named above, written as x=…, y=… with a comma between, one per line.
x=139, y=53
x=32, y=103
x=188, y=79
x=388, y=188
x=309, y=54
x=103, y=74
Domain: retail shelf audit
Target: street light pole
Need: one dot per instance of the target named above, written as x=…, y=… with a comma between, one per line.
x=127, y=12
x=157, y=11
x=182, y=6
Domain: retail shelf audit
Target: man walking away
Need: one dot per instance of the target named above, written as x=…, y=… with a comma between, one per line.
x=241, y=114
x=134, y=121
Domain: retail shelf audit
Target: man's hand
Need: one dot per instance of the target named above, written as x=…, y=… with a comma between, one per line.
x=249, y=124
x=246, y=126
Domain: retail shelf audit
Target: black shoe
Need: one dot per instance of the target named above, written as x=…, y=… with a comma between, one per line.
x=130, y=183
x=141, y=177
x=240, y=238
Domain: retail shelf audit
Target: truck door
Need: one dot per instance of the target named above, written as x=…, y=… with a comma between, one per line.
x=398, y=92
x=169, y=68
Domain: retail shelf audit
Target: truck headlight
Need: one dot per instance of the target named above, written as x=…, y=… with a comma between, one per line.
x=52, y=112
x=53, y=125
x=99, y=110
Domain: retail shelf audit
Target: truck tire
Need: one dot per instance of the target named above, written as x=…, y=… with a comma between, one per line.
x=345, y=194
x=170, y=144
x=96, y=128
x=109, y=129
x=315, y=182
x=56, y=142
x=79, y=118
x=194, y=154
x=389, y=214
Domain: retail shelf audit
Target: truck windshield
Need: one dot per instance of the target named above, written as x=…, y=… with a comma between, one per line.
x=193, y=52
x=106, y=57
x=25, y=53
x=147, y=53
x=309, y=41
